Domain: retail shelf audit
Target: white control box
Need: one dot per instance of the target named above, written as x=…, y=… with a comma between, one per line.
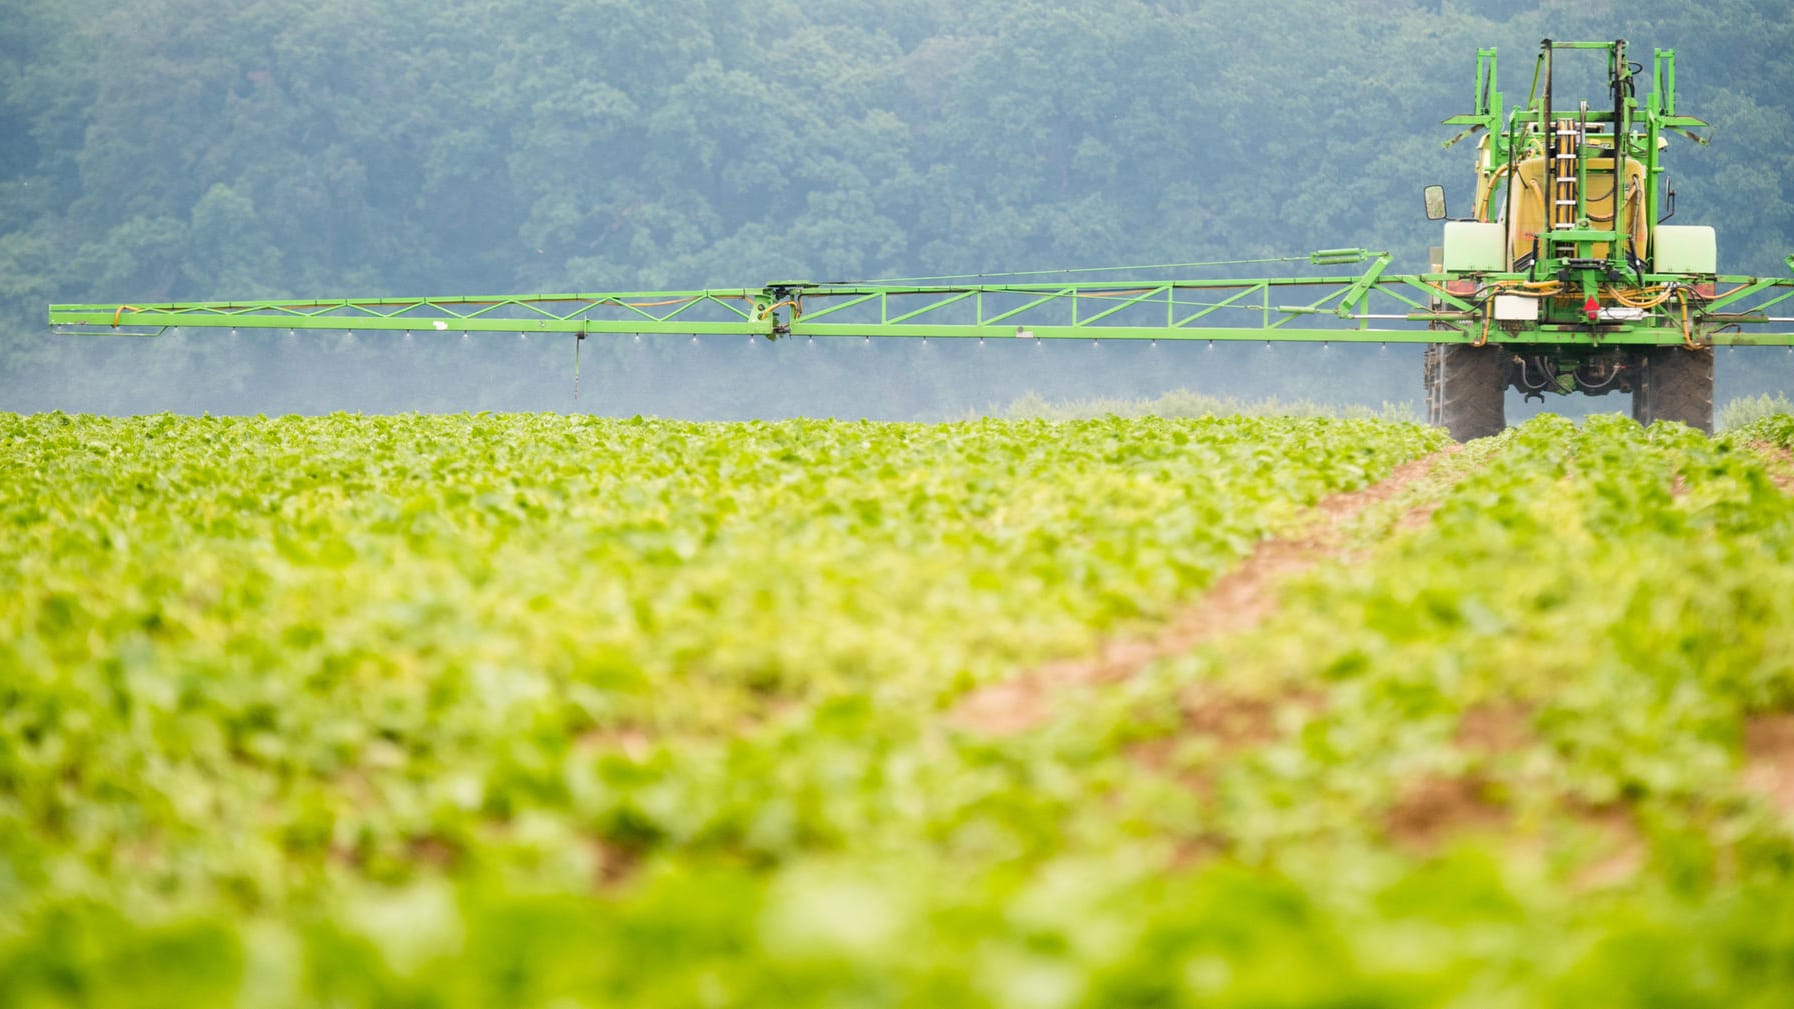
x=1684, y=248
x=1475, y=246
x=1516, y=308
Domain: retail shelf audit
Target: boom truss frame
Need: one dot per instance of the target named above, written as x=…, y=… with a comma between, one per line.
x=1368, y=307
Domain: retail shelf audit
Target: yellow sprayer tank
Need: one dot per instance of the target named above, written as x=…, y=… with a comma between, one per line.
x=1527, y=204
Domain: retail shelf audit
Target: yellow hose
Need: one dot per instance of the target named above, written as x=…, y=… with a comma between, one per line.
x=1652, y=297
x=1687, y=326
x=1482, y=205
x=796, y=306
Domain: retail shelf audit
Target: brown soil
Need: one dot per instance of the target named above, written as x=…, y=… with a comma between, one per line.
x=1498, y=727
x=433, y=850
x=1435, y=809
x=1617, y=867
x=1235, y=722
x=1236, y=602
x=1156, y=754
x=1192, y=853
x=1626, y=851
x=1230, y=722
x=631, y=742
x=1780, y=464
x=1417, y=517
x=1769, y=759
x=612, y=865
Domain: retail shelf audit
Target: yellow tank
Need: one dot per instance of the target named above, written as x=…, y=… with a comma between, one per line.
x=1527, y=205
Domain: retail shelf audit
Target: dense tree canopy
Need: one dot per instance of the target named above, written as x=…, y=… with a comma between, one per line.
x=185, y=148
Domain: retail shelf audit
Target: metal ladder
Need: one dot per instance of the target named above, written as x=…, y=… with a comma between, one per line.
x=1566, y=138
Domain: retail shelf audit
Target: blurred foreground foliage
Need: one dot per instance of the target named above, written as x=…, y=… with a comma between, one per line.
x=558, y=711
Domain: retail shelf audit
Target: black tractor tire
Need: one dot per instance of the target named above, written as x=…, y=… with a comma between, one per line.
x=1675, y=383
x=1466, y=389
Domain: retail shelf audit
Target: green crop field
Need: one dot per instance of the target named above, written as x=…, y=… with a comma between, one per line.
x=559, y=711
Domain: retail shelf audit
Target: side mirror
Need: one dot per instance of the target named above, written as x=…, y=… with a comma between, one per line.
x=1435, y=203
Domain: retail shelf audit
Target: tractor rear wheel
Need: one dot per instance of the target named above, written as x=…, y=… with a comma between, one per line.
x=1466, y=388
x=1675, y=384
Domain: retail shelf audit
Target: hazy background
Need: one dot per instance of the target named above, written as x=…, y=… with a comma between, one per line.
x=187, y=149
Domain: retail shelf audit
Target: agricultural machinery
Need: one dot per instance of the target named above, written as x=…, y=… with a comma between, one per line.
x=1563, y=278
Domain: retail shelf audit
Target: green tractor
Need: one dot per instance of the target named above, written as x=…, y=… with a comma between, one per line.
x=1582, y=285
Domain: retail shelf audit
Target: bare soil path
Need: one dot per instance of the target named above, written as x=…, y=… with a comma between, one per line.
x=1237, y=601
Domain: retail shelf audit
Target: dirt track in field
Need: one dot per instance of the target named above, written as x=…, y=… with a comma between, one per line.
x=1237, y=601
x=1769, y=738
x=1769, y=759
x=1779, y=462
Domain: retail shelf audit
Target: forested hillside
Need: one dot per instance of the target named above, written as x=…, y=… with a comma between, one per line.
x=191, y=148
